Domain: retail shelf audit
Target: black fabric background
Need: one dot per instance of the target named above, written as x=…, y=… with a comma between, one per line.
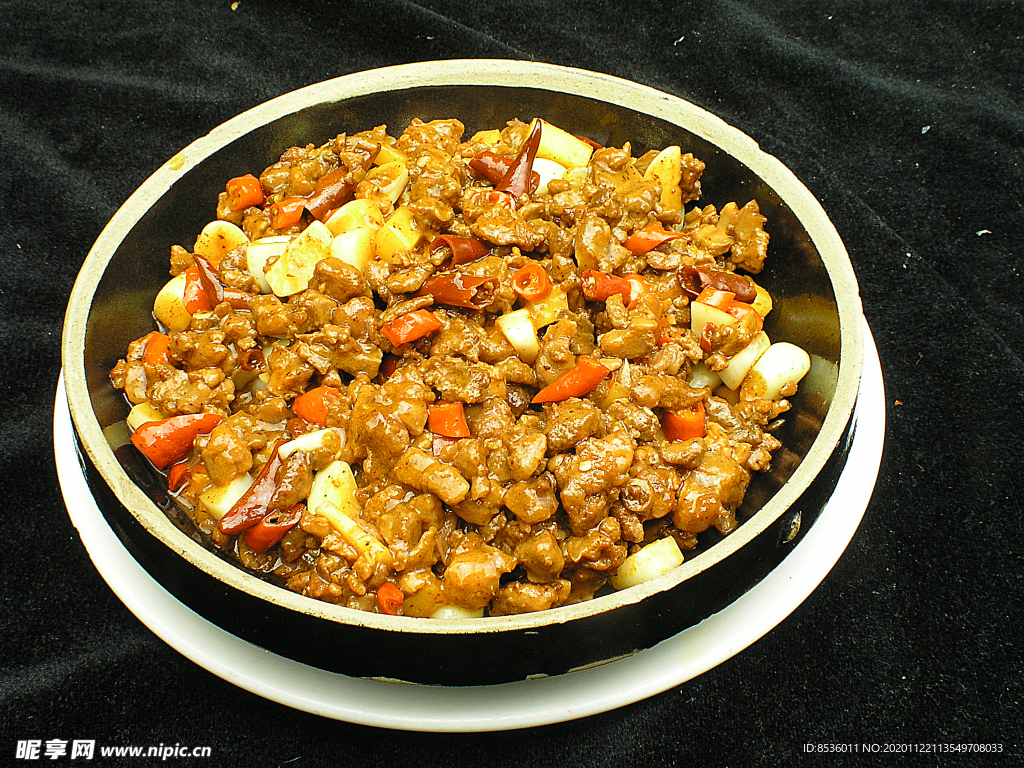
x=905, y=120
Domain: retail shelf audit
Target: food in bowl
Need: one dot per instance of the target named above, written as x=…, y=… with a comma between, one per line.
x=450, y=378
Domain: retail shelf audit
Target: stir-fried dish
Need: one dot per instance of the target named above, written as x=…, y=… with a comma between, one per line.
x=439, y=377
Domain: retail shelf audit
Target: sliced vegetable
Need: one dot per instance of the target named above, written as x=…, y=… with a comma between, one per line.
x=336, y=485
x=166, y=441
x=354, y=247
x=531, y=282
x=580, y=380
x=291, y=273
x=762, y=301
x=313, y=405
x=287, y=213
x=253, y=505
x=549, y=309
x=218, y=239
x=272, y=528
x=650, y=562
x=219, y=499
x=648, y=238
x=518, y=327
x=562, y=147
x=399, y=233
x=355, y=534
x=157, y=348
x=447, y=419
x=779, y=369
x=545, y=170
x=666, y=170
x=703, y=315
x=685, y=424
x=410, y=326
x=258, y=252
x=457, y=289
x=390, y=598
x=741, y=363
x=169, y=305
x=704, y=377
x=314, y=440
x=385, y=182
x=355, y=214
x=142, y=413
x=244, y=192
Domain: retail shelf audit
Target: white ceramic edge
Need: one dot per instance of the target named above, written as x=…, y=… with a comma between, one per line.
x=508, y=706
x=511, y=73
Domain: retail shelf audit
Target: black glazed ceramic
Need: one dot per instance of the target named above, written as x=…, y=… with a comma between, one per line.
x=808, y=275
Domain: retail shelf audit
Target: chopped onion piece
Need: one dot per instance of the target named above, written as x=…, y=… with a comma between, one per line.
x=653, y=560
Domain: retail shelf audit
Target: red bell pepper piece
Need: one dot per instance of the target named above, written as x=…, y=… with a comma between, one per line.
x=166, y=441
x=648, y=238
x=463, y=249
x=601, y=286
x=580, y=380
x=390, y=598
x=272, y=528
x=685, y=424
x=157, y=348
x=410, y=326
x=287, y=213
x=244, y=192
x=460, y=290
x=531, y=282
x=196, y=299
x=447, y=420
x=517, y=178
x=178, y=475
x=713, y=297
x=254, y=504
x=312, y=405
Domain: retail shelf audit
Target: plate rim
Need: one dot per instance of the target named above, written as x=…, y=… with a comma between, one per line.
x=506, y=706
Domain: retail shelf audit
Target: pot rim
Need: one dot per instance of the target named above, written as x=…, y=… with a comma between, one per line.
x=469, y=72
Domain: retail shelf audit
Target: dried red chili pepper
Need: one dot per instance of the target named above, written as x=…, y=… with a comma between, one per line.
x=694, y=279
x=272, y=528
x=516, y=180
x=531, y=281
x=494, y=167
x=253, y=360
x=331, y=190
x=460, y=290
x=254, y=504
x=463, y=250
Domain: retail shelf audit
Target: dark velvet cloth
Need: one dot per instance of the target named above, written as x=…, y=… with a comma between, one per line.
x=905, y=120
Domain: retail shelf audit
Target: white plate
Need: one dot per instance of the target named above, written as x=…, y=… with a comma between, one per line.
x=497, y=707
